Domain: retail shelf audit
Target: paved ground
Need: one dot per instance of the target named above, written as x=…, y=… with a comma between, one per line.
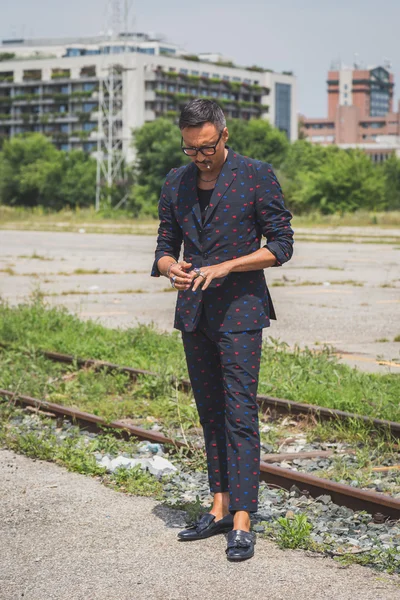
x=349, y=317
x=65, y=536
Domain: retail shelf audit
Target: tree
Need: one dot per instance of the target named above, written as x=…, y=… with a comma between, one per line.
x=23, y=161
x=33, y=172
x=345, y=182
x=258, y=139
x=78, y=185
x=391, y=173
x=158, y=150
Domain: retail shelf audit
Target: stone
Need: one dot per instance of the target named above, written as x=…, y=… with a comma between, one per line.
x=294, y=492
x=159, y=466
x=153, y=448
x=324, y=499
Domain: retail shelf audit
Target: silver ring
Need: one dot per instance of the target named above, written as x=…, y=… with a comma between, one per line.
x=172, y=280
x=202, y=274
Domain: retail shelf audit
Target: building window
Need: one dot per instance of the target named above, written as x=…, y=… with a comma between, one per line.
x=89, y=71
x=64, y=128
x=88, y=87
x=216, y=76
x=182, y=89
x=60, y=73
x=89, y=146
x=89, y=126
x=204, y=74
x=226, y=78
x=88, y=107
x=184, y=71
x=171, y=88
x=194, y=72
x=74, y=52
x=283, y=92
x=32, y=75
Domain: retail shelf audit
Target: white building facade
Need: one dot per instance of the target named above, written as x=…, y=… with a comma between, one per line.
x=52, y=87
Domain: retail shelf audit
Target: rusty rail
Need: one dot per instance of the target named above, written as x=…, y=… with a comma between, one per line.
x=265, y=402
x=345, y=495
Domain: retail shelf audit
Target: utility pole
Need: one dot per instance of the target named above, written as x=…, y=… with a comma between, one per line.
x=110, y=159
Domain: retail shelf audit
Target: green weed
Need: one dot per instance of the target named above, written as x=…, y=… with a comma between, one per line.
x=299, y=374
x=294, y=533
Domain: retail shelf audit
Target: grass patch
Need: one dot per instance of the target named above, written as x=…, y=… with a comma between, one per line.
x=359, y=218
x=297, y=374
x=74, y=453
x=94, y=293
x=35, y=255
x=397, y=338
x=8, y=270
x=294, y=532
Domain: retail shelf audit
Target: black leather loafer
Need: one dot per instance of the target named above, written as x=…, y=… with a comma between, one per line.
x=240, y=545
x=205, y=527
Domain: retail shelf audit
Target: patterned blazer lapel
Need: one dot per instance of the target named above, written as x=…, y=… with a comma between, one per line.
x=224, y=182
x=188, y=193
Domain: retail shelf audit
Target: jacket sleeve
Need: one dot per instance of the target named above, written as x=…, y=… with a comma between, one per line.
x=170, y=236
x=272, y=215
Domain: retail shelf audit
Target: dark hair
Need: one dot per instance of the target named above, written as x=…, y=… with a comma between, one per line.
x=198, y=112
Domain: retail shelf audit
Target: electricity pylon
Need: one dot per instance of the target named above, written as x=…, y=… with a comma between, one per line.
x=110, y=159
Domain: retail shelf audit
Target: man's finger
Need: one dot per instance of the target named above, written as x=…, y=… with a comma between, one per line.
x=206, y=282
x=177, y=270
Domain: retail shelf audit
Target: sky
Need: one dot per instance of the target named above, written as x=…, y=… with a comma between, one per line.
x=286, y=35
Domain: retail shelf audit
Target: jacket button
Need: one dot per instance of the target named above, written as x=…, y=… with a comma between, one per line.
x=205, y=255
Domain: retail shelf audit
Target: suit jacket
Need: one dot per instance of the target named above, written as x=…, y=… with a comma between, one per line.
x=246, y=203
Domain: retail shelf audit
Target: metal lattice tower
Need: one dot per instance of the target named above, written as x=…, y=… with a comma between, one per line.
x=110, y=159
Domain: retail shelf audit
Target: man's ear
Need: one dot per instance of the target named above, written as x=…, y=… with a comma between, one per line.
x=225, y=135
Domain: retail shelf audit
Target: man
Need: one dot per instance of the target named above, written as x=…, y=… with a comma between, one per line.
x=219, y=206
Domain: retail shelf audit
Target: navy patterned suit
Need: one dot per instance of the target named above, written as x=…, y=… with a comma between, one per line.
x=222, y=326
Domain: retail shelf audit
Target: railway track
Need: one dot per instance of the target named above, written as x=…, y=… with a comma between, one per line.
x=381, y=506
x=278, y=405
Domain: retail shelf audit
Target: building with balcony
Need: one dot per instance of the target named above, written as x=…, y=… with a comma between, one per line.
x=54, y=87
x=360, y=112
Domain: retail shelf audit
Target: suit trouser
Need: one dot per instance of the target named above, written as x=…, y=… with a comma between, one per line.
x=223, y=369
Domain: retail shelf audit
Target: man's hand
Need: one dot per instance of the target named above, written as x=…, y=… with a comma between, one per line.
x=210, y=273
x=183, y=279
